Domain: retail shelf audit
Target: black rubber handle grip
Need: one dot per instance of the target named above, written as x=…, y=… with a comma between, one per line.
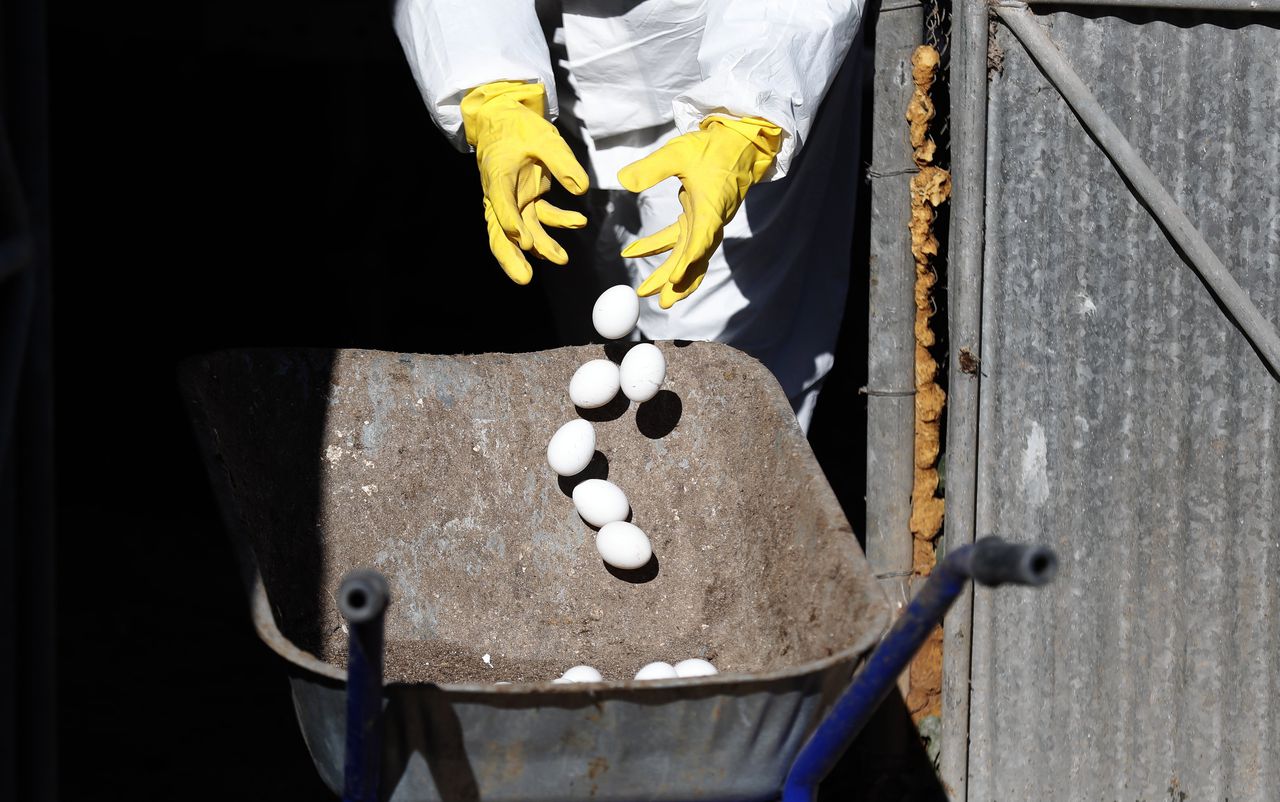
x=363, y=596
x=996, y=562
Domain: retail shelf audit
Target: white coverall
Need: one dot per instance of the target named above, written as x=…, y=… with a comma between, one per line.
x=644, y=71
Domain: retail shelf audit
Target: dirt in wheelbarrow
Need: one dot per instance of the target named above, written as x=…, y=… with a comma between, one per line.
x=433, y=471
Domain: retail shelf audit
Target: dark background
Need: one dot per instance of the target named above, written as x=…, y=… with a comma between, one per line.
x=230, y=174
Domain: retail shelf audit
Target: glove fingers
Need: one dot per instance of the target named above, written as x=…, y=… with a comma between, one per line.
x=671, y=294
x=693, y=275
x=543, y=245
x=694, y=238
x=501, y=199
x=656, y=280
x=663, y=240
x=692, y=269
x=531, y=183
x=556, y=217
x=559, y=159
x=658, y=166
x=510, y=258
x=680, y=255
x=675, y=262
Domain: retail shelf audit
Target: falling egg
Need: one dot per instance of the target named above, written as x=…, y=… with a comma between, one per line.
x=616, y=312
x=572, y=447
x=594, y=384
x=643, y=370
x=600, y=502
x=623, y=545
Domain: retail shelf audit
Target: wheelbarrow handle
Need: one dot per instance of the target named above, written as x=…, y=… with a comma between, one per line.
x=994, y=562
x=362, y=600
x=990, y=561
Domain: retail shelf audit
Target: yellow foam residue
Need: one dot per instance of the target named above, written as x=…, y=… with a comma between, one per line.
x=929, y=189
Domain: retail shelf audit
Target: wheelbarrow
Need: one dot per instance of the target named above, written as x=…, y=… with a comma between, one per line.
x=422, y=480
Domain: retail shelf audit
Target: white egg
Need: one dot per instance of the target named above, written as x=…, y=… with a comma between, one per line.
x=594, y=384
x=623, y=545
x=616, y=312
x=658, y=670
x=643, y=370
x=695, y=667
x=579, y=674
x=600, y=502
x=572, y=447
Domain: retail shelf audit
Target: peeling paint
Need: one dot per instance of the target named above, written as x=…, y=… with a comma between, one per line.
x=1035, y=466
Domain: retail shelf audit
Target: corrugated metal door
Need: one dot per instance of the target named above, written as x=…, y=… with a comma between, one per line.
x=1126, y=420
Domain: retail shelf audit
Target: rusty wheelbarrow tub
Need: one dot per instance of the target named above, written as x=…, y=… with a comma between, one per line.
x=432, y=471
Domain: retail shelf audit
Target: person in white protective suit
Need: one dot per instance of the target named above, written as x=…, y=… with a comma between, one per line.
x=683, y=106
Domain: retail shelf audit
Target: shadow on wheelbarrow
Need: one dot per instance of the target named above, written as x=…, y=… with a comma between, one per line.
x=431, y=471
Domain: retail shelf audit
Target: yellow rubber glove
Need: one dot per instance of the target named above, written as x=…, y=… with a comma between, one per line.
x=716, y=166
x=515, y=149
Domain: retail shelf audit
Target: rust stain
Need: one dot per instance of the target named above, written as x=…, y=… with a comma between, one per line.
x=513, y=762
x=597, y=766
x=930, y=188
x=507, y=766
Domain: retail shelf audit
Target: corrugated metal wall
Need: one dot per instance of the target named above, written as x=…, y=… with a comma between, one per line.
x=1126, y=421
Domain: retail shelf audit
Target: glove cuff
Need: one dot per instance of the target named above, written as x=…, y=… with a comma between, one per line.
x=481, y=103
x=762, y=134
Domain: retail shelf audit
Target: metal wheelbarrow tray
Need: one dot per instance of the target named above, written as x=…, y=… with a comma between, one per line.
x=432, y=470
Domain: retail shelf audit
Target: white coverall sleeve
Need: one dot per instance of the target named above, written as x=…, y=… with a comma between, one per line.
x=770, y=58
x=453, y=46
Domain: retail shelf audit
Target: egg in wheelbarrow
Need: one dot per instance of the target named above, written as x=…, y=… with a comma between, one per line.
x=623, y=545
x=600, y=502
x=657, y=670
x=594, y=384
x=643, y=370
x=572, y=447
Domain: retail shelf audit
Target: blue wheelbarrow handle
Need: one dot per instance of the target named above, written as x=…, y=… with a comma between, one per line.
x=362, y=600
x=990, y=561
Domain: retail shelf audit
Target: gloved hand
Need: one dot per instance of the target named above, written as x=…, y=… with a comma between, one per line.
x=515, y=149
x=716, y=166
